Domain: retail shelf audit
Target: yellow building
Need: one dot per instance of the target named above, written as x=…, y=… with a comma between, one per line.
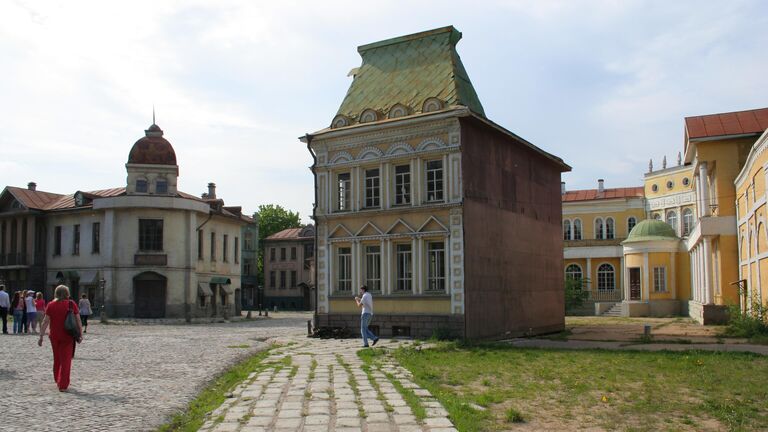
x=595, y=222
x=751, y=196
x=717, y=146
x=688, y=260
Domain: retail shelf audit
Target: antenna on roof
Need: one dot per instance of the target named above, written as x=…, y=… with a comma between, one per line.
x=153, y=114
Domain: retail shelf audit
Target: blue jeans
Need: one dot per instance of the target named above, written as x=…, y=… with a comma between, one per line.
x=365, y=319
x=18, y=315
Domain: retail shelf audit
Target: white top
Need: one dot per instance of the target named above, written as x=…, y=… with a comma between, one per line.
x=85, y=306
x=367, y=302
x=4, y=300
x=30, y=304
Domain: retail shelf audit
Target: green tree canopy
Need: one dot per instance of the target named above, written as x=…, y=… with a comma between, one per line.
x=273, y=218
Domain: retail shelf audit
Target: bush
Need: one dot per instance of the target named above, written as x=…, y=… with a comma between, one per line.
x=574, y=293
x=750, y=324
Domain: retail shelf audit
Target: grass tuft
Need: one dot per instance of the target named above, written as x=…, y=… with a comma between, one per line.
x=514, y=416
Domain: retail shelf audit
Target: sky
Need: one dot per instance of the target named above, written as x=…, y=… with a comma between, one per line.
x=605, y=85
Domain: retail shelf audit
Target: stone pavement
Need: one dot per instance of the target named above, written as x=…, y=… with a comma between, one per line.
x=126, y=377
x=318, y=385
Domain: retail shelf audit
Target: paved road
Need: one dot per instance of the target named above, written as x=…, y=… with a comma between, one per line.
x=126, y=377
x=318, y=386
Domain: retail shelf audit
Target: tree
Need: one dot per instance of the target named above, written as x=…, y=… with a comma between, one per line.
x=273, y=218
x=575, y=295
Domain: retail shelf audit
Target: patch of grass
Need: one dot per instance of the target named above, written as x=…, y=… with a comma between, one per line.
x=213, y=395
x=379, y=395
x=651, y=390
x=312, y=368
x=293, y=372
x=513, y=416
x=239, y=346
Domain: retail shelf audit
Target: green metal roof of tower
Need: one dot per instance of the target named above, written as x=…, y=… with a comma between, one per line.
x=408, y=70
x=649, y=230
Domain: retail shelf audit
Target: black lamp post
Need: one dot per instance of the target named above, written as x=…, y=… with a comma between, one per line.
x=103, y=286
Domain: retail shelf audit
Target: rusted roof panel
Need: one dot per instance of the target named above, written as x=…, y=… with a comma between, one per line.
x=593, y=194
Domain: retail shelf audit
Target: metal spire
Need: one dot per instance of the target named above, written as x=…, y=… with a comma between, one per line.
x=153, y=114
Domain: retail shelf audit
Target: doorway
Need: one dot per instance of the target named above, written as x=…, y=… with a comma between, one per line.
x=634, y=283
x=149, y=295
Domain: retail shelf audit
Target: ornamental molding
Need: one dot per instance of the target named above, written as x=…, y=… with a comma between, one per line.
x=675, y=200
x=390, y=135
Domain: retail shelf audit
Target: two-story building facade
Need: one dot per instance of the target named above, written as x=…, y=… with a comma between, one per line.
x=288, y=275
x=450, y=220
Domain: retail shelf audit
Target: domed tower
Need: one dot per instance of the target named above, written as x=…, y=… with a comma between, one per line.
x=152, y=168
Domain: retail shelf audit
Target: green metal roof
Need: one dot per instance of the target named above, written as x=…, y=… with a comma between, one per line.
x=651, y=229
x=408, y=70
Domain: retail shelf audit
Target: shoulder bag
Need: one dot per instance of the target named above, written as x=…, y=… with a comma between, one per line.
x=70, y=325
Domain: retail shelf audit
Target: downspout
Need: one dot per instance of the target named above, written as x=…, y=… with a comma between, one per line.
x=308, y=139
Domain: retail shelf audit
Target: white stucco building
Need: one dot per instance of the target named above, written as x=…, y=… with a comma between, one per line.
x=156, y=251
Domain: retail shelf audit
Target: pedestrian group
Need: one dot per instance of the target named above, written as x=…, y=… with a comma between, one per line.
x=31, y=314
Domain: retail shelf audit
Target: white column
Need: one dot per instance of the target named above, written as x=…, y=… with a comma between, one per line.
x=625, y=279
x=589, y=274
x=386, y=185
x=446, y=243
x=647, y=286
x=415, y=277
x=446, y=179
x=702, y=281
x=703, y=178
x=708, y=282
x=383, y=266
x=679, y=227
x=391, y=278
x=329, y=258
x=692, y=263
x=353, y=252
x=699, y=205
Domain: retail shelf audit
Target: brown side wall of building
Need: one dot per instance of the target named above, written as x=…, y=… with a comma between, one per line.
x=513, y=246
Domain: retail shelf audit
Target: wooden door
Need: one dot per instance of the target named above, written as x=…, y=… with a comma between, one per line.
x=634, y=283
x=149, y=297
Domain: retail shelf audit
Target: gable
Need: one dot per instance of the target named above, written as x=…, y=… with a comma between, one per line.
x=369, y=229
x=340, y=232
x=432, y=225
x=400, y=227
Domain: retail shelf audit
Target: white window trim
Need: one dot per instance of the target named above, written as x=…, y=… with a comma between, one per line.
x=664, y=280
x=597, y=274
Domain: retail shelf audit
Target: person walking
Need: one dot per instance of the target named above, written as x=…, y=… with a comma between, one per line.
x=5, y=305
x=40, y=307
x=62, y=342
x=365, y=302
x=31, y=312
x=24, y=312
x=85, y=312
x=17, y=304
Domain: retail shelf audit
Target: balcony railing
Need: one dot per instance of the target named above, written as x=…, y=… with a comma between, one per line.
x=593, y=242
x=13, y=259
x=597, y=295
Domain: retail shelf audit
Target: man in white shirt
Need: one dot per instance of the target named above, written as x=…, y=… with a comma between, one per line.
x=5, y=305
x=365, y=302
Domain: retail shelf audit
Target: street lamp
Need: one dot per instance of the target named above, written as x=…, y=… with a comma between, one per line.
x=103, y=286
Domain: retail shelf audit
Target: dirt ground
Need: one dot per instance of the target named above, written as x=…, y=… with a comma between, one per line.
x=681, y=330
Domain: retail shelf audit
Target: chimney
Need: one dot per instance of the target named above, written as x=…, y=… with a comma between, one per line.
x=562, y=188
x=32, y=186
x=211, y=190
x=600, y=187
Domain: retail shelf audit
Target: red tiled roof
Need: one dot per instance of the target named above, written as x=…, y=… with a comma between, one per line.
x=592, y=194
x=733, y=123
x=34, y=200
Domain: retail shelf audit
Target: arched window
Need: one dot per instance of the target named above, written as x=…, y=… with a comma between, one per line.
x=606, y=277
x=672, y=219
x=599, y=229
x=573, y=272
x=577, y=229
x=631, y=222
x=687, y=221
x=566, y=229
x=609, y=231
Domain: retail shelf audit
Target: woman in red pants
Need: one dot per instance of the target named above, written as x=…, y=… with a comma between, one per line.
x=61, y=341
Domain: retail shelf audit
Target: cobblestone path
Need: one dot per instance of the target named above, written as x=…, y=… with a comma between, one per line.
x=318, y=385
x=126, y=377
